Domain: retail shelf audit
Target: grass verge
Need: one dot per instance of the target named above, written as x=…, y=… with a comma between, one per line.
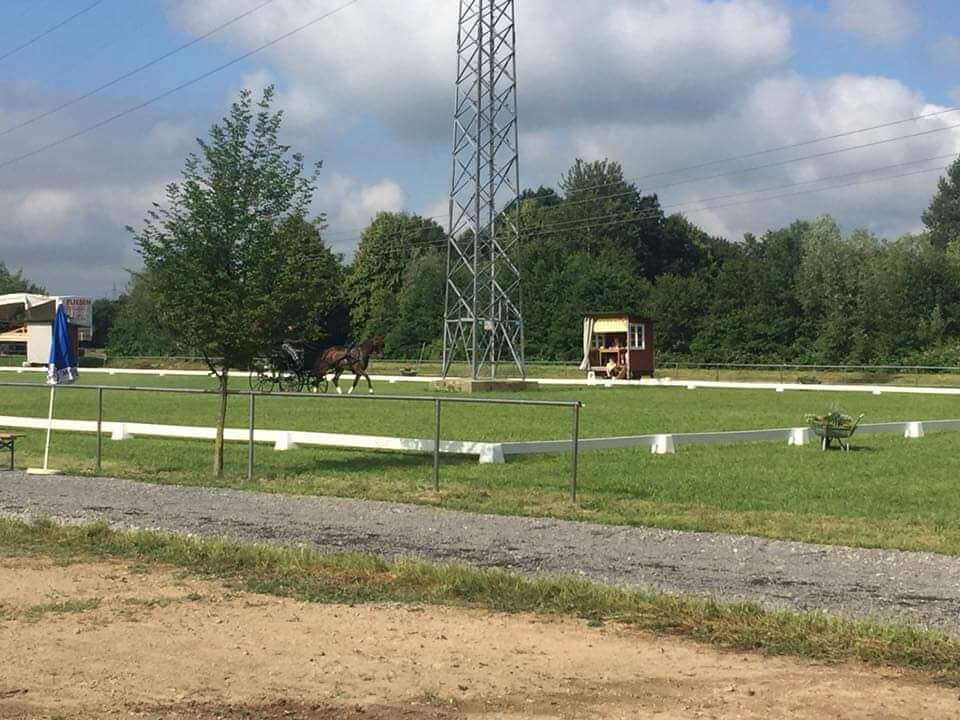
x=310, y=576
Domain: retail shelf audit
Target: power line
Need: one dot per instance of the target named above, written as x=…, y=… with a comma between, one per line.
x=171, y=91
x=640, y=215
x=774, y=197
x=426, y=226
x=815, y=156
x=52, y=28
x=134, y=71
x=567, y=202
x=803, y=143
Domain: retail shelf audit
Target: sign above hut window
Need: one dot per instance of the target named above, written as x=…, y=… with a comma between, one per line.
x=610, y=325
x=638, y=340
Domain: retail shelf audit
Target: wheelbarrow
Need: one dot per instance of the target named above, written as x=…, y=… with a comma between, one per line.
x=829, y=428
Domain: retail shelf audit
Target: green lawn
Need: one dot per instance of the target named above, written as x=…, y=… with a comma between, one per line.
x=888, y=492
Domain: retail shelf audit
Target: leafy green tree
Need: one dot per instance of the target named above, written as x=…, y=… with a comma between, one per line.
x=14, y=282
x=418, y=312
x=137, y=329
x=603, y=214
x=679, y=303
x=229, y=256
x=831, y=285
x=388, y=248
x=942, y=217
x=104, y=315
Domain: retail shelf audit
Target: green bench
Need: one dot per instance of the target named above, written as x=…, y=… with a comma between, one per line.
x=8, y=441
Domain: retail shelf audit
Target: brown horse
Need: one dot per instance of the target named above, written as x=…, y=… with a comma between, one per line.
x=355, y=358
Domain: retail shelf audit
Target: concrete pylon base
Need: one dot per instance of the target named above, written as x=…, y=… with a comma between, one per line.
x=469, y=385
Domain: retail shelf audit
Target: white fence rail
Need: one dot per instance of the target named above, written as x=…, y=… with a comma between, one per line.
x=666, y=443
x=485, y=452
x=281, y=439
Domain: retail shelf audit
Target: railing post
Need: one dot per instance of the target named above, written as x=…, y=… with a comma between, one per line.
x=436, y=445
x=574, y=451
x=99, y=429
x=250, y=422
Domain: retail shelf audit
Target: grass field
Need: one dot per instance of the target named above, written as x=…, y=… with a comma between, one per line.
x=889, y=492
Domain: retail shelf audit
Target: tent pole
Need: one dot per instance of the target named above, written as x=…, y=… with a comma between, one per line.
x=46, y=447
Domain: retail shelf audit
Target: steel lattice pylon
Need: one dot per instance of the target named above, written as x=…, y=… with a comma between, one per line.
x=483, y=322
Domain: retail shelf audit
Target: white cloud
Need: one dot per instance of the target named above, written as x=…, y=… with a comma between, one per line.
x=877, y=22
x=47, y=211
x=350, y=205
x=780, y=110
x=579, y=62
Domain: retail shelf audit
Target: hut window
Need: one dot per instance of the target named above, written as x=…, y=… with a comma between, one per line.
x=637, y=337
x=597, y=341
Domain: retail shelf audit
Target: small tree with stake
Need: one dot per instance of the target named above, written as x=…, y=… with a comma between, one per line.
x=235, y=265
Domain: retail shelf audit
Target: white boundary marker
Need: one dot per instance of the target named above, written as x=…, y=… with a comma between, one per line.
x=485, y=452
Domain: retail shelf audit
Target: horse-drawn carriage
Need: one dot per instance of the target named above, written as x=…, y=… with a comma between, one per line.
x=302, y=366
x=286, y=369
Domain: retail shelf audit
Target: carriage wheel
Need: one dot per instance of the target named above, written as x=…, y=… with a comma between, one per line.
x=261, y=380
x=315, y=384
x=287, y=382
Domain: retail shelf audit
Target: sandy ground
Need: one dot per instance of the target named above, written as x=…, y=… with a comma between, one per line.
x=115, y=640
x=914, y=588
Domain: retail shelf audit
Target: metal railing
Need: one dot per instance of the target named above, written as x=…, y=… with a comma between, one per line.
x=574, y=406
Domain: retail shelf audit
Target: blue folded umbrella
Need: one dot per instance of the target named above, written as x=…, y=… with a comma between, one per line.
x=62, y=368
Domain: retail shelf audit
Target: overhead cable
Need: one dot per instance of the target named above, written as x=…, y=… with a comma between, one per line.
x=52, y=28
x=134, y=71
x=193, y=81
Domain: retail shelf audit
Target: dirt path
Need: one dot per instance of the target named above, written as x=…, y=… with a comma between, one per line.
x=911, y=587
x=110, y=639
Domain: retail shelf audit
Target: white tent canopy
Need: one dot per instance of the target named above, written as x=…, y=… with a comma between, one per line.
x=28, y=307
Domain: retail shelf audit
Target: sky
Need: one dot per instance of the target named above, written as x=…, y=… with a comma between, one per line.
x=657, y=85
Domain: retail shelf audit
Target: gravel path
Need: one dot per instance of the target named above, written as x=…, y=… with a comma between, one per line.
x=920, y=588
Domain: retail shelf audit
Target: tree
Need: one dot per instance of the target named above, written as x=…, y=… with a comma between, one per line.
x=232, y=260
x=419, y=318
x=942, y=217
x=602, y=213
x=137, y=328
x=832, y=287
x=104, y=316
x=14, y=282
x=388, y=248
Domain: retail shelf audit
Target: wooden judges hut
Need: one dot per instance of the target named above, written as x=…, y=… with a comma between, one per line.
x=618, y=345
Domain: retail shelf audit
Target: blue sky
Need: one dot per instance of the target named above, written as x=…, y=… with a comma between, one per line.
x=654, y=84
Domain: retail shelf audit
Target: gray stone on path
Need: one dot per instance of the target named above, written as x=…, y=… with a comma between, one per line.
x=912, y=587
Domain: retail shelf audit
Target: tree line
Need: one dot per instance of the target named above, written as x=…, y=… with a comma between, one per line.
x=806, y=293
